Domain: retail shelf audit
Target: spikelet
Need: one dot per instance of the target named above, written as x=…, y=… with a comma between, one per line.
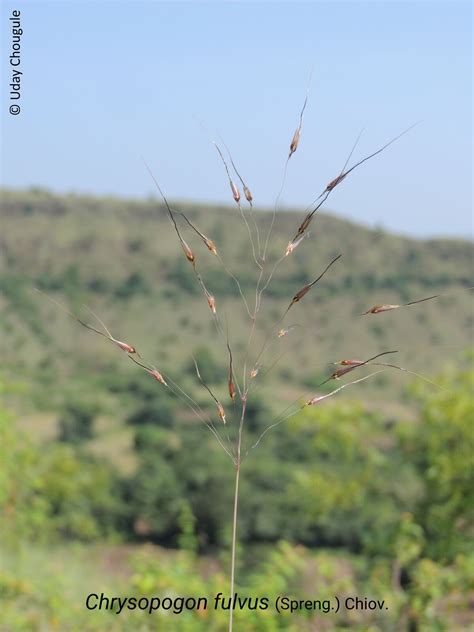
x=295, y=142
x=304, y=225
x=208, y=242
x=187, y=251
x=340, y=372
x=248, y=195
x=299, y=295
x=211, y=301
x=314, y=400
x=231, y=387
x=210, y=245
x=350, y=362
x=158, y=377
x=254, y=372
x=330, y=186
x=221, y=412
x=377, y=309
x=294, y=244
x=124, y=346
x=235, y=191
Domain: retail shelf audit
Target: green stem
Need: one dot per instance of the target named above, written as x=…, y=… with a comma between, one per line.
x=234, y=542
x=234, y=520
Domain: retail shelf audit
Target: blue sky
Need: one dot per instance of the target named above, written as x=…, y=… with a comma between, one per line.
x=106, y=82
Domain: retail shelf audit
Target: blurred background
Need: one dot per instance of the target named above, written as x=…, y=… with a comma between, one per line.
x=108, y=481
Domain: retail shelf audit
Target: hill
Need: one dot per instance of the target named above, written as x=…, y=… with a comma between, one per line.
x=122, y=258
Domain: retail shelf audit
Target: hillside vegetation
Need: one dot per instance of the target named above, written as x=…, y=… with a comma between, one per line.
x=122, y=259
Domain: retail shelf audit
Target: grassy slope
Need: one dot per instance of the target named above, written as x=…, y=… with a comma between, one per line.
x=121, y=257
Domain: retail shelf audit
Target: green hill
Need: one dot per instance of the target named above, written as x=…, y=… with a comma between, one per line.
x=122, y=258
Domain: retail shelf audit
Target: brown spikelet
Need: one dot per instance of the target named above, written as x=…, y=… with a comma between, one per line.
x=221, y=412
x=248, y=195
x=235, y=191
x=158, y=377
x=124, y=346
x=350, y=362
x=151, y=371
x=294, y=244
x=330, y=186
x=187, y=251
x=350, y=365
x=299, y=295
x=314, y=400
x=284, y=332
x=304, y=290
x=231, y=387
x=295, y=142
x=211, y=246
x=340, y=372
x=304, y=224
x=254, y=372
x=211, y=301
x=378, y=309
x=297, y=135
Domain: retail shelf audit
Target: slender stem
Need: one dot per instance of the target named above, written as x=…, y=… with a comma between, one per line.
x=234, y=541
x=234, y=520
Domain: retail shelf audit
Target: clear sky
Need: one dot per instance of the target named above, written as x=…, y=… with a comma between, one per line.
x=106, y=82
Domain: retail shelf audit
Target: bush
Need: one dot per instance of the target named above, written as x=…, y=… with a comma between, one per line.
x=76, y=423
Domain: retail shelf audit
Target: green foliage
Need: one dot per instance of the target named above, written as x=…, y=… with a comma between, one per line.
x=177, y=469
x=337, y=475
x=345, y=488
x=60, y=493
x=134, y=284
x=80, y=493
x=441, y=447
x=159, y=412
x=76, y=423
